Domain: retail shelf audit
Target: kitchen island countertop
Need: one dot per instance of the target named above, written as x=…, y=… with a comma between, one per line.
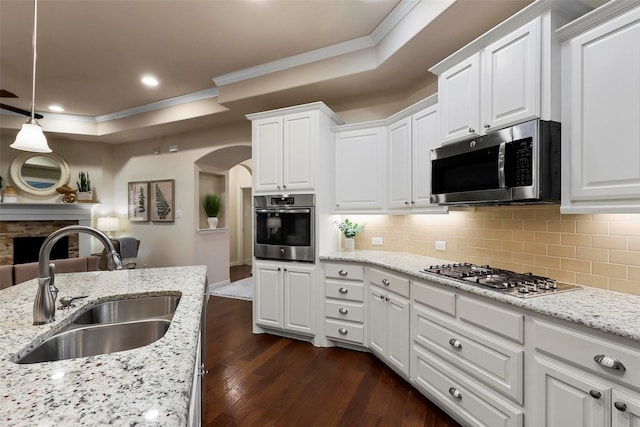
x=150, y=385
x=613, y=312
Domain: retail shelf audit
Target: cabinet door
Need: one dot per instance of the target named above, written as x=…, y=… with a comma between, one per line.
x=398, y=332
x=570, y=397
x=511, y=78
x=459, y=99
x=298, y=149
x=399, y=147
x=377, y=321
x=299, y=303
x=425, y=135
x=267, y=154
x=601, y=69
x=268, y=302
x=359, y=169
x=626, y=409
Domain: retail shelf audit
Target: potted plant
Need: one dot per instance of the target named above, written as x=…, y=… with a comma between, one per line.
x=85, y=193
x=350, y=230
x=212, y=204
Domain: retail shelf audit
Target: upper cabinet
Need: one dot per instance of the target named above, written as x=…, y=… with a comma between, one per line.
x=601, y=107
x=285, y=144
x=509, y=75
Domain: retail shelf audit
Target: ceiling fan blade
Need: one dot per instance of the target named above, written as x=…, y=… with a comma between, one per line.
x=20, y=111
x=7, y=94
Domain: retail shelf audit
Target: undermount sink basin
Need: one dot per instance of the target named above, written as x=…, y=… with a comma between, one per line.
x=126, y=310
x=97, y=339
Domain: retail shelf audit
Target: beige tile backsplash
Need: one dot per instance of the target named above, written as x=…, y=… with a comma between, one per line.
x=596, y=250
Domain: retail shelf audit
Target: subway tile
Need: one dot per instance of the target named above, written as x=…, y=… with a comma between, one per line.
x=534, y=225
x=625, y=229
x=609, y=270
x=548, y=213
x=502, y=255
x=535, y=248
x=625, y=257
x=555, y=226
x=478, y=243
x=548, y=238
x=633, y=273
x=562, y=275
x=492, y=244
x=626, y=286
x=547, y=261
x=493, y=224
x=484, y=234
x=578, y=266
x=513, y=224
x=593, y=281
x=592, y=227
x=512, y=246
x=522, y=258
x=502, y=234
x=590, y=254
x=610, y=242
x=524, y=236
x=524, y=214
x=634, y=244
x=575, y=240
x=561, y=251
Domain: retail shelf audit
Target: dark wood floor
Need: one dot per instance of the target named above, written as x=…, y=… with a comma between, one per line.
x=265, y=380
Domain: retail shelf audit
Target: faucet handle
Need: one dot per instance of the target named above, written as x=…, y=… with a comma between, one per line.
x=52, y=286
x=113, y=261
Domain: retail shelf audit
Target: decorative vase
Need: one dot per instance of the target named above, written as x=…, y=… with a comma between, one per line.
x=349, y=243
x=213, y=222
x=85, y=196
x=10, y=195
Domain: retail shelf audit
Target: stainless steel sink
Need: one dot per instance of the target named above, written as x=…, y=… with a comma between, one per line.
x=125, y=310
x=97, y=339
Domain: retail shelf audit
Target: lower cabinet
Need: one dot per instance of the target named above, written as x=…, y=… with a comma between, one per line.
x=344, y=303
x=284, y=296
x=388, y=318
x=196, y=403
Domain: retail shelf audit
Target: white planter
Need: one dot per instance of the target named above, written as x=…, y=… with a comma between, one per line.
x=349, y=244
x=85, y=196
x=213, y=222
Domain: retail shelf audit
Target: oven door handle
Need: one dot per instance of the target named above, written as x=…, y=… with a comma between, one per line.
x=291, y=211
x=502, y=182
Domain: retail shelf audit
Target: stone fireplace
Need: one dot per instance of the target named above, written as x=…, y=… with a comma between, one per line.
x=39, y=220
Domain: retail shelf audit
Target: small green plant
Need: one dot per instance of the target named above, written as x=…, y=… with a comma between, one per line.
x=84, y=183
x=350, y=229
x=212, y=204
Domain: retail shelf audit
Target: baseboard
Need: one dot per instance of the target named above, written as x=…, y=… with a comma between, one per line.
x=217, y=285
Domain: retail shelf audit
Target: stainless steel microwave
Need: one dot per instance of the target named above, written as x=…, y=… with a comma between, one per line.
x=519, y=164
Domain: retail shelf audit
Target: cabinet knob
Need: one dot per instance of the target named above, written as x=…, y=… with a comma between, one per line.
x=343, y=290
x=343, y=310
x=595, y=394
x=386, y=298
x=609, y=362
x=487, y=125
x=382, y=297
x=279, y=269
x=337, y=205
x=406, y=202
x=284, y=186
x=455, y=393
x=413, y=202
x=202, y=370
x=343, y=273
x=343, y=331
x=278, y=187
x=385, y=282
x=284, y=269
x=455, y=343
x=471, y=130
x=620, y=406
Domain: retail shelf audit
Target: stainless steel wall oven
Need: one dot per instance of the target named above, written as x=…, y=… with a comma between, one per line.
x=285, y=227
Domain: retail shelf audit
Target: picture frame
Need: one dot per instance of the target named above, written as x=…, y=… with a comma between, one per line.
x=138, y=200
x=161, y=200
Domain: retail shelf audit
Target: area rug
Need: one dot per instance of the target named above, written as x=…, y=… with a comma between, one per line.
x=241, y=289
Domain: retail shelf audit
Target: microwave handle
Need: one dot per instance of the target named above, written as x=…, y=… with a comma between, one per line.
x=502, y=182
x=291, y=211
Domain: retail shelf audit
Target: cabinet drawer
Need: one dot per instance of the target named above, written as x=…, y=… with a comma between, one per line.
x=491, y=317
x=388, y=281
x=434, y=296
x=344, y=331
x=496, y=363
x=580, y=349
x=344, y=271
x=344, y=310
x=344, y=290
x=461, y=396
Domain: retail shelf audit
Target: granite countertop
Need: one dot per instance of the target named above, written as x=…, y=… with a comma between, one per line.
x=613, y=312
x=150, y=385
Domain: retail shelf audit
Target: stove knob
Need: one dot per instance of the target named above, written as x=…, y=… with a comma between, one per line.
x=534, y=287
x=477, y=280
x=546, y=285
x=552, y=284
x=523, y=290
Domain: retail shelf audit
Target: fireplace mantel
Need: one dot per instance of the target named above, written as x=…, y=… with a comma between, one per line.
x=80, y=212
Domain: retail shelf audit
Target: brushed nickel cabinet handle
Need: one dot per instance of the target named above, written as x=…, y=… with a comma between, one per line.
x=595, y=394
x=343, y=331
x=487, y=125
x=343, y=310
x=385, y=282
x=386, y=298
x=471, y=130
x=343, y=290
x=455, y=343
x=343, y=273
x=620, y=406
x=609, y=362
x=455, y=393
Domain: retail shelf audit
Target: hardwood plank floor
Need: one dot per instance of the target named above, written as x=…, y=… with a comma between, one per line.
x=265, y=380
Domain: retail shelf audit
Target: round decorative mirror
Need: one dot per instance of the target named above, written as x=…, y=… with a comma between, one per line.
x=39, y=174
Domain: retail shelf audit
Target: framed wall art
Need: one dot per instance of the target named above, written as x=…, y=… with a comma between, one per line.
x=161, y=200
x=138, y=201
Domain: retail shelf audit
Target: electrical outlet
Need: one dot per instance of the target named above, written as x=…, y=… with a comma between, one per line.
x=441, y=245
x=378, y=241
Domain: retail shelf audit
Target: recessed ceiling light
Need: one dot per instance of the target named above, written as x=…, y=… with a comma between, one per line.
x=149, y=81
x=56, y=108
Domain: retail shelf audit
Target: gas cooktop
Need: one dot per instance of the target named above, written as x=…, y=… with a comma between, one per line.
x=522, y=285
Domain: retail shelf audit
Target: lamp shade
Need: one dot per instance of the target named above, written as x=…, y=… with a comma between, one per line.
x=31, y=138
x=108, y=223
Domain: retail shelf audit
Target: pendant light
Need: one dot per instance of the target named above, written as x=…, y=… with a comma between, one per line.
x=30, y=137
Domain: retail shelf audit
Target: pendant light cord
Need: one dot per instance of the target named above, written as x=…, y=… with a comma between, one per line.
x=33, y=85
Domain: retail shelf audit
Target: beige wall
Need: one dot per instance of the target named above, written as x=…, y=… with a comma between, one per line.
x=593, y=250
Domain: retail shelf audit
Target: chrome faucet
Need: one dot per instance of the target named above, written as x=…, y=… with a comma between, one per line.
x=44, y=306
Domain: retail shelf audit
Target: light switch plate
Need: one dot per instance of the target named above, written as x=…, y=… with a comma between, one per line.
x=441, y=245
x=378, y=241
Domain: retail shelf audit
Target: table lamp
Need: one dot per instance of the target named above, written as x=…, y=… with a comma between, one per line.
x=108, y=224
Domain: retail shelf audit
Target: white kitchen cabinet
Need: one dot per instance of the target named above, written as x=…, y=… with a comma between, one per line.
x=285, y=296
x=410, y=139
x=600, y=126
x=359, y=168
x=388, y=318
x=195, y=403
x=344, y=303
x=285, y=145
